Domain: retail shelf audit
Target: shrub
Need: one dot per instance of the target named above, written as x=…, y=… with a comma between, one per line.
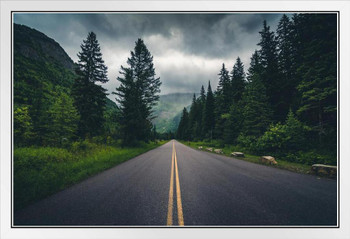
x=247, y=142
x=283, y=138
x=85, y=145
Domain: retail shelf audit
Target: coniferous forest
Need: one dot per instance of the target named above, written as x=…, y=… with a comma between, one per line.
x=284, y=103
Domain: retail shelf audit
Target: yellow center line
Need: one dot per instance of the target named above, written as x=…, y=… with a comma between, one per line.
x=171, y=192
x=180, y=216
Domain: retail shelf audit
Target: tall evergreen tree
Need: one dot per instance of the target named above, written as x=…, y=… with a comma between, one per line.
x=209, y=114
x=223, y=99
x=255, y=67
x=183, y=130
x=237, y=80
x=223, y=92
x=318, y=71
x=270, y=75
x=137, y=94
x=255, y=108
x=90, y=98
x=286, y=64
x=256, y=111
x=234, y=123
x=202, y=96
x=130, y=118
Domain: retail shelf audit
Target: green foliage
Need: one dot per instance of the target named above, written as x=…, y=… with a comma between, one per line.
x=111, y=118
x=311, y=157
x=64, y=118
x=247, y=141
x=23, y=127
x=280, y=139
x=83, y=146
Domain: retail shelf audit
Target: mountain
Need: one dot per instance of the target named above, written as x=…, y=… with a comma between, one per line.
x=40, y=59
x=42, y=71
x=168, y=110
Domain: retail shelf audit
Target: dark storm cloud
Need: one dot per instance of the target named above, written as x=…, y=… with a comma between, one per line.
x=188, y=49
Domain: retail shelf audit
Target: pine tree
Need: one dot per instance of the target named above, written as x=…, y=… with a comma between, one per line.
x=223, y=92
x=255, y=66
x=233, y=125
x=256, y=111
x=137, y=94
x=286, y=65
x=269, y=75
x=202, y=96
x=183, y=131
x=193, y=116
x=223, y=99
x=318, y=72
x=90, y=98
x=209, y=114
x=200, y=111
x=237, y=80
x=255, y=108
x=130, y=118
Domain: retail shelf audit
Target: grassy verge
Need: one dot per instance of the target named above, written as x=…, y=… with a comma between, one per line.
x=41, y=171
x=228, y=149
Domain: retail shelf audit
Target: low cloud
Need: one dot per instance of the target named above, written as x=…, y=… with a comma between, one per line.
x=188, y=49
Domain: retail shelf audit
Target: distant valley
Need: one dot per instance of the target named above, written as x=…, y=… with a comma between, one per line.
x=168, y=111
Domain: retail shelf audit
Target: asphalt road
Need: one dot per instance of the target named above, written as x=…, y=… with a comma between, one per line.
x=177, y=185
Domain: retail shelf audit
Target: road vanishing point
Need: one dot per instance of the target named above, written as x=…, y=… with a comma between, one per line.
x=175, y=185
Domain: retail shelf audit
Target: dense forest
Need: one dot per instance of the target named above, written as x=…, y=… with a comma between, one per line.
x=285, y=104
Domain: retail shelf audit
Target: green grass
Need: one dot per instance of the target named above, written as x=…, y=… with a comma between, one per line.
x=228, y=149
x=42, y=171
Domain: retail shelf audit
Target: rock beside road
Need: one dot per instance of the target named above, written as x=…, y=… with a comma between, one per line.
x=218, y=151
x=324, y=170
x=268, y=160
x=237, y=154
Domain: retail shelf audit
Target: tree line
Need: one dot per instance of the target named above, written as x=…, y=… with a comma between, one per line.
x=285, y=102
x=56, y=115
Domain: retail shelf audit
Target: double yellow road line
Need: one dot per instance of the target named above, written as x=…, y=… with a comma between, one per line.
x=180, y=216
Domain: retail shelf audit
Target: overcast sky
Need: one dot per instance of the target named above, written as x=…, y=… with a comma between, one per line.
x=188, y=49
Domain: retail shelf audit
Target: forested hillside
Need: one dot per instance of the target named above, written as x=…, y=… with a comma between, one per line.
x=285, y=104
x=44, y=111
x=168, y=111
